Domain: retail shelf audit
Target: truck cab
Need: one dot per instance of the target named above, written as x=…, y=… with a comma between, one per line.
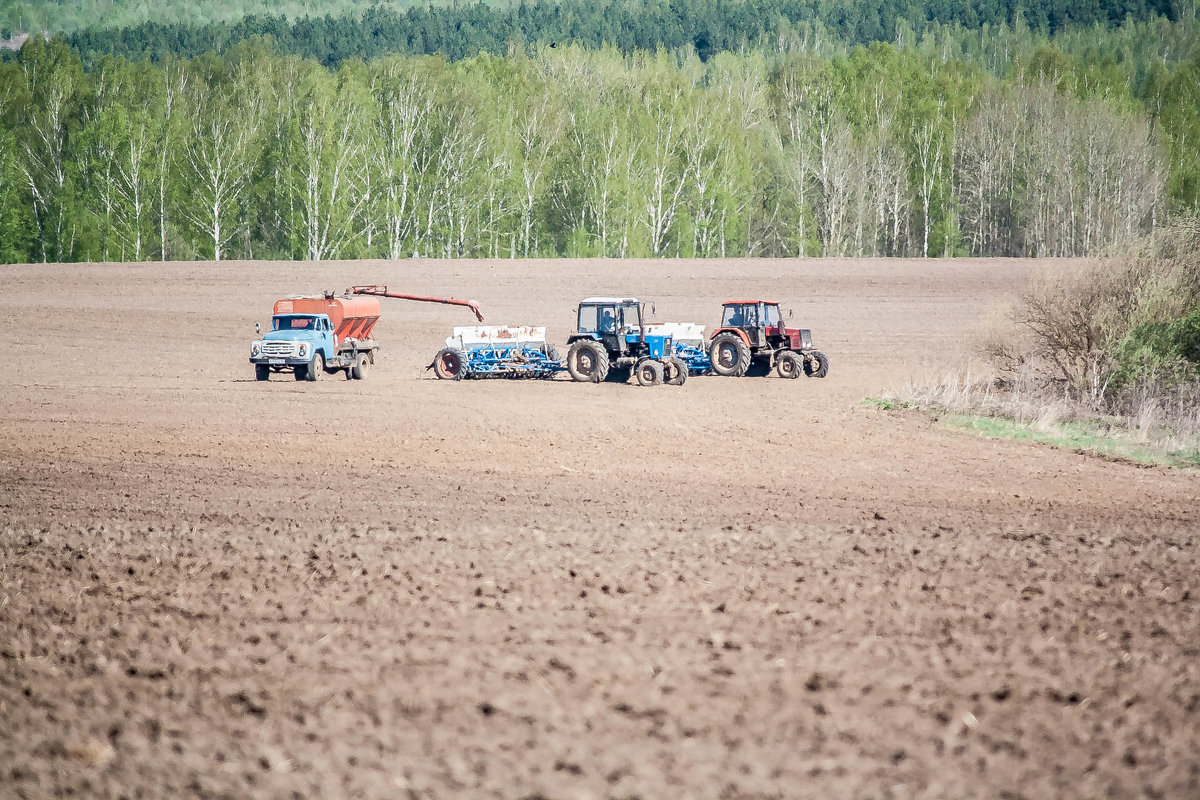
x=295, y=341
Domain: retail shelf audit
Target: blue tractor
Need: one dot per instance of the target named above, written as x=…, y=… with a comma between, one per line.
x=613, y=341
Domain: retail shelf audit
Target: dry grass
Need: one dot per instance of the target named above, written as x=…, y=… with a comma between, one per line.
x=1158, y=428
x=1051, y=362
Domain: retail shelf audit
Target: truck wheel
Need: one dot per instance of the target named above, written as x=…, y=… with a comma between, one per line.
x=789, y=365
x=675, y=371
x=649, y=372
x=262, y=372
x=816, y=365
x=316, y=367
x=358, y=370
x=587, y=361
x=729, y=355
x=449, y=364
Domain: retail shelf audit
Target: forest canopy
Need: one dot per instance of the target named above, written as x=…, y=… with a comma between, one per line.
x=461, y=30
x=855, y=21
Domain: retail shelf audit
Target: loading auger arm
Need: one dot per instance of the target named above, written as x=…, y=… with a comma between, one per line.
x=382, y=291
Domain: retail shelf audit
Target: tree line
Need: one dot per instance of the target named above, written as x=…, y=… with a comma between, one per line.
x=855, y=21
x=461, y=30
x=572, y=151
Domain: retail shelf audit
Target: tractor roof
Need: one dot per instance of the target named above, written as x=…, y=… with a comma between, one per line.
x=597, y=301
x=749, y=302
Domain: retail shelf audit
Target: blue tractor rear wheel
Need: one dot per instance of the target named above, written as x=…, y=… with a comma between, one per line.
x=588, y=361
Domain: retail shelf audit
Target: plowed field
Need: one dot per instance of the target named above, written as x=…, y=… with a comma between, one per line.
x=405, y=587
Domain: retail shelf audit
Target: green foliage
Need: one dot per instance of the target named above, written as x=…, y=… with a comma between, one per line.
x=1183, y=336
x=1121, y=334
x=1158, y=353
x=559, y=150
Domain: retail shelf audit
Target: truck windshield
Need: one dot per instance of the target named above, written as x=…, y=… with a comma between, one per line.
x=294, y=323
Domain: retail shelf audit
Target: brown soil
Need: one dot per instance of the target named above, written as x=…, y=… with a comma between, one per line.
x=404, y=587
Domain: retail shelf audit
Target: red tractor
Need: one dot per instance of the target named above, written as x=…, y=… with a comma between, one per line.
x=753, y=338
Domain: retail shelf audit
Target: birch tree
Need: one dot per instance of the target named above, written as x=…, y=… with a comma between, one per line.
x=836, y=172
x=217, y=158
x=538, y=129
x=798, y=114
x=405, y=109
x=330, y=173
x=666, y=181
x=928, y=147
x=45, y=156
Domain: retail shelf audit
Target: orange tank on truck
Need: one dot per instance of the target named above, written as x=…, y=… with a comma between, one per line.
x=350, y=317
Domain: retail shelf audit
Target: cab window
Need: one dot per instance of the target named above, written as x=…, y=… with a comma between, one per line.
x=588, y=319
x=771, y=318
x=734, y=317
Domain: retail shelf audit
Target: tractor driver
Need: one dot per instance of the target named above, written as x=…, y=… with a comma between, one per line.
x=606, y=321
x=735, y=319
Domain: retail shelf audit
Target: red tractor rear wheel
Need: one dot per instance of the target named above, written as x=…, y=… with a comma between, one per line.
x=729, y=355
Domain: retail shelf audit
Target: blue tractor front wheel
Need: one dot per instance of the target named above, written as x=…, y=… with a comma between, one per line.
x=649, y=372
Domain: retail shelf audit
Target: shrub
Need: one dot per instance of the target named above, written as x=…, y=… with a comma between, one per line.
x=1112, y=324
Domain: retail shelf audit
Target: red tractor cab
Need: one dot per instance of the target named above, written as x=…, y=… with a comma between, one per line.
x=752, y=335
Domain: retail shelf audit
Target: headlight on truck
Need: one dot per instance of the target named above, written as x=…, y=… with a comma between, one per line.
x=303, y=350
x=254, y=350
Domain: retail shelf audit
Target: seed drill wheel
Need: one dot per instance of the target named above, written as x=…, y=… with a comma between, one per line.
x=552, y=360
x=789, y=365
x=649, y=372
x=316, y=367
x=262, y=372
x=449, y=364
x=675, y=371
x=729, y=355
x=587, y=361
x=816, y=364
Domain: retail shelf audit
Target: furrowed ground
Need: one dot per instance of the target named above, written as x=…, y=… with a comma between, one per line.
x=397, y=587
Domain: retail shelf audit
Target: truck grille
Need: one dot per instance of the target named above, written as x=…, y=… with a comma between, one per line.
x=279, y=349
